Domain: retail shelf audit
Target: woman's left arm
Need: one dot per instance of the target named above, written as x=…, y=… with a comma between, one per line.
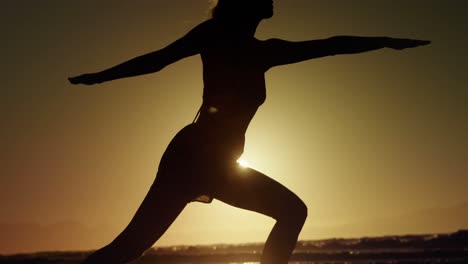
x=279, y=52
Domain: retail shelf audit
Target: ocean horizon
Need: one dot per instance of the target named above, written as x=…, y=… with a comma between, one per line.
x=429, y=248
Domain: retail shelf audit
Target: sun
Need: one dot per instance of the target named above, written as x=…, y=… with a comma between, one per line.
x=244, y=163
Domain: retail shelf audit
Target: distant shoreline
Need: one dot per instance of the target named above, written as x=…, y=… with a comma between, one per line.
x=381, y=244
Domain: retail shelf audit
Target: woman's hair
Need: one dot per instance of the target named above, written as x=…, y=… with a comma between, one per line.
x=227, y=8
x=233, y=9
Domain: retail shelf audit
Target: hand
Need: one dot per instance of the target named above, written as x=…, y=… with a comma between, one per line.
x=88, y=79
x=400, y=44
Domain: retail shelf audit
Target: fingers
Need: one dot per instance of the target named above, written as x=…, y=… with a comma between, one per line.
x=425, y=42
x=416, y=42
x=400, y=44
x=73, y=80
x=76, y=80
x=87, y=79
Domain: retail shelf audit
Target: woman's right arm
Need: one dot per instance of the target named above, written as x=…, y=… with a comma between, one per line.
x=186, y=46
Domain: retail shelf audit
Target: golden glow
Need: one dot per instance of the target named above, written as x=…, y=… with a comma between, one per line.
x=244, y=163
x=356, y=137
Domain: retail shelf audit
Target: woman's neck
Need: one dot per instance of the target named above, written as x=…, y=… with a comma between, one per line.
x=242, y=28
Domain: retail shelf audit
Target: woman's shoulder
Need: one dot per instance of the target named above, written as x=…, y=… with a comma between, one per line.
x=203, y=32
x=207, y=27
x=198, y=36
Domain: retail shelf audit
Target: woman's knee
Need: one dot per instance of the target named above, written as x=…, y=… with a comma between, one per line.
x=295, y=213
x=300, y=211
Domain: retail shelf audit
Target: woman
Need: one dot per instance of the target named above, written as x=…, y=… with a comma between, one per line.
x=200, y=162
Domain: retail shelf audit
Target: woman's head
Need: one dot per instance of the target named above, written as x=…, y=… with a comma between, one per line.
x=232, y=9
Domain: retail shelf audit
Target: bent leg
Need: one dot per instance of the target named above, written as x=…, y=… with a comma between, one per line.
x=249, y=189
x=159, y=209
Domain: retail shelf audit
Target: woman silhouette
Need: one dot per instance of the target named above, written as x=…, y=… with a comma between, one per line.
x=200, y=162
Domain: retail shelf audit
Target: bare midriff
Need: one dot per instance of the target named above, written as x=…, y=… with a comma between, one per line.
x=229, y=118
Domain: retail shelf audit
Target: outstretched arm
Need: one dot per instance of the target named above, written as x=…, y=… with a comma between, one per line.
x=187, y=46
x=280, y=52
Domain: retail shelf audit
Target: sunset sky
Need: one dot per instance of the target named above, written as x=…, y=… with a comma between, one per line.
x=360, y=138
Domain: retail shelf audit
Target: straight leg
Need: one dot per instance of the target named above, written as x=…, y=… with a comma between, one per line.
x=159, y=209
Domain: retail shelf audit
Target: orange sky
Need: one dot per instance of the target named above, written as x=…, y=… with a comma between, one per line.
x=381, y=135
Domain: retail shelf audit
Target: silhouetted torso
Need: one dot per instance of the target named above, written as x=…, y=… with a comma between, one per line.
x=234, y=82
